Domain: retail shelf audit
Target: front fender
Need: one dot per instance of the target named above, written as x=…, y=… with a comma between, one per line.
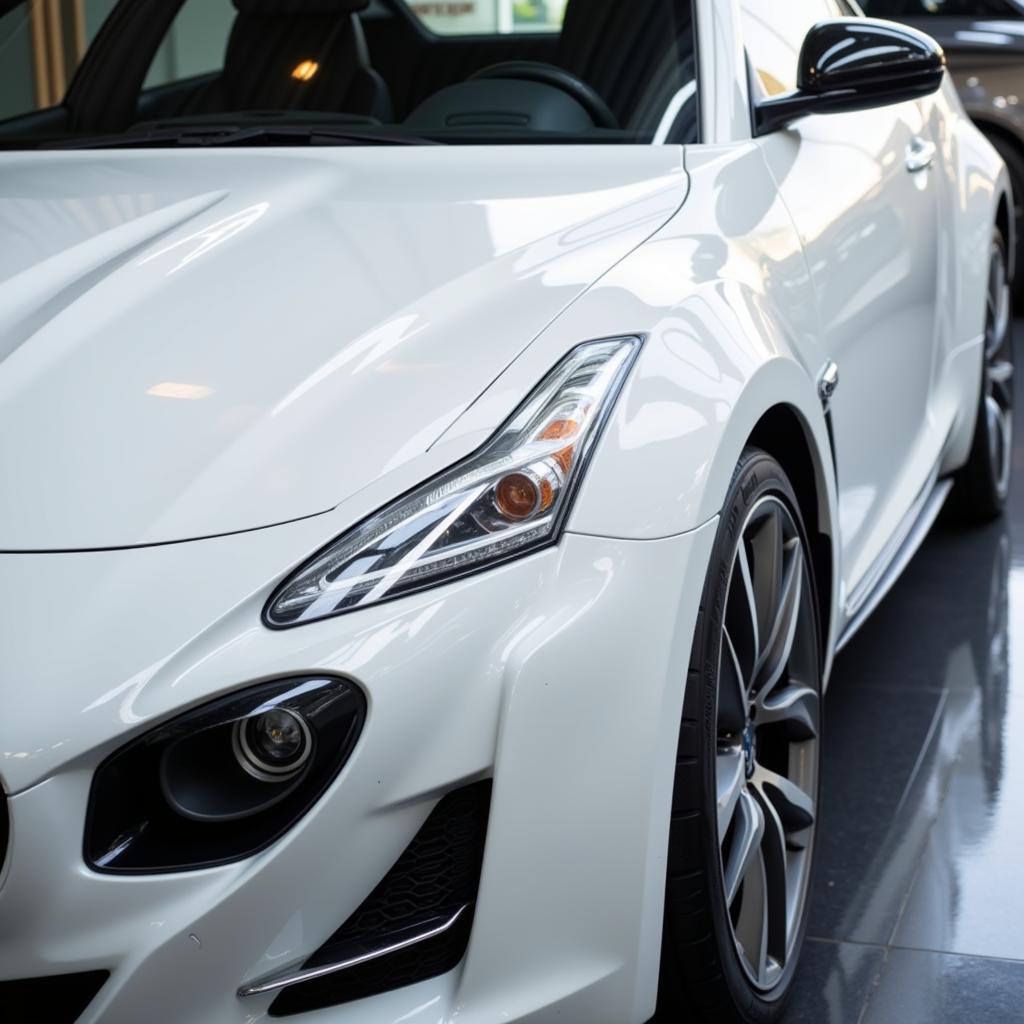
x=723, y=298
x=703, y=382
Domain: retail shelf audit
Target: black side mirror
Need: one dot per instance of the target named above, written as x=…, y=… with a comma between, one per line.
x=856, y=64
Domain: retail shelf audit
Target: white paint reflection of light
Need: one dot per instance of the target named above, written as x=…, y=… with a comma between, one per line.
x=421, y=1009
x=658, y=422
x=375, y=345
x=205, y=239
x=572, y=219
x=188, y=392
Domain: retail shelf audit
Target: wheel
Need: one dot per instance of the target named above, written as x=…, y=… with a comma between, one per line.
x=1014, y=160
x=983, y=484
x=745, y=798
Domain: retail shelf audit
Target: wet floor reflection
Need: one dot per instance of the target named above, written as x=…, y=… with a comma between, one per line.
x=918, y=904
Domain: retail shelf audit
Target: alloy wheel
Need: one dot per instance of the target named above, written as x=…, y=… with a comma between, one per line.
x=998, y=386
x=768, y=727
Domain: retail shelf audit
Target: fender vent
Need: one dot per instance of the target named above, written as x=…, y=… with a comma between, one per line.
x=58, y=999
x=438, y=872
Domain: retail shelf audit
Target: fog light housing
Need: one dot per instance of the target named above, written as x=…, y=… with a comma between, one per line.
x=274, y=745
x=224, y=780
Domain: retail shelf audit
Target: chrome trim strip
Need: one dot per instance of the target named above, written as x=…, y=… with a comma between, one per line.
x=927, y=513
x=295, y=976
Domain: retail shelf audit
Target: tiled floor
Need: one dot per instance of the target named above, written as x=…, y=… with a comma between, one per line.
x=918, y=905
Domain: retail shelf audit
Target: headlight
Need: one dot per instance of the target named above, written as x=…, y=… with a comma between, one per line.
x=509, y=498
x=223, y=780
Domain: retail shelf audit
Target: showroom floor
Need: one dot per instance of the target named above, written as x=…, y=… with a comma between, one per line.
x=918, y=904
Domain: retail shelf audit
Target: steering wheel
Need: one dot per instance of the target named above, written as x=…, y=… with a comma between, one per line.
x=549, y=74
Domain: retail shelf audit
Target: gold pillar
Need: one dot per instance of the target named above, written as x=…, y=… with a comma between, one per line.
x=40, y=53
x=47, y=27
x=55, y=49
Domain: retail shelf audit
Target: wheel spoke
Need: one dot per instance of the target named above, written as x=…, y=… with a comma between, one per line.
x=1000, y=371
x=751, y=928
x=997, y=432
x=795, y=705
x=746, y=845
x=779, y=645
x=773, y=850
x=730, y=779
x=768, y=703
x=747, y=601
x=794, y=807
x=732, y=690
x=767, y=548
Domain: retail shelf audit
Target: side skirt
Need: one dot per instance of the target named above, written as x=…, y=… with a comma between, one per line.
x=879, y=580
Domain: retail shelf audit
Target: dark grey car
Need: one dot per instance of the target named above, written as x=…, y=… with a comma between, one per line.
x=984, y=44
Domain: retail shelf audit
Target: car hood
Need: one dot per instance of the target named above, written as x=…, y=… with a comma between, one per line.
x=195, y=344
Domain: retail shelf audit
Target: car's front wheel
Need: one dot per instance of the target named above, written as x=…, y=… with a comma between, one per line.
x=745, y=802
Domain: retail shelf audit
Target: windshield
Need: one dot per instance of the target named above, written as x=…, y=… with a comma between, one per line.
x=946, y=8
x=101, y=73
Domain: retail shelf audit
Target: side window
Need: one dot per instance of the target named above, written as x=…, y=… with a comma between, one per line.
x=489, y=17
x=774, y=33
x=195, y=44
x=41, y=46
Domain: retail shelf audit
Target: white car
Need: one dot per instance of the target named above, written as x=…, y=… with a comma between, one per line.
x=438, y=472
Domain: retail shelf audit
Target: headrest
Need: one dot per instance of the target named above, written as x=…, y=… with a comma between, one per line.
x=299, y=8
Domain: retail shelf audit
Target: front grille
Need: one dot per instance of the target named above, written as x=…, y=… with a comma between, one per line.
x=438, y=872
x=58, y=999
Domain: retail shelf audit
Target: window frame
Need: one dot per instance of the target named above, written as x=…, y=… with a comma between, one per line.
x=755, y=89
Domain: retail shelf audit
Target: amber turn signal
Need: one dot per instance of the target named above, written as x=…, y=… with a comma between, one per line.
x=516, y=496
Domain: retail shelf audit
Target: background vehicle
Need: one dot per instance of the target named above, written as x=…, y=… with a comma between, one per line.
x=446, y=468
x=984, y=44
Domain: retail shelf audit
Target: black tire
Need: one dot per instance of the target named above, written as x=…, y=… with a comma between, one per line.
x=982, y=485
x=1013, y=157
x=703, y=976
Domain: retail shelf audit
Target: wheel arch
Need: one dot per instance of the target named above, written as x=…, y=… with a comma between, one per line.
x=993, y=128
x=782, y=433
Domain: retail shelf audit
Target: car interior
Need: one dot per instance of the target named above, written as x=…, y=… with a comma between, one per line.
x=614, y=73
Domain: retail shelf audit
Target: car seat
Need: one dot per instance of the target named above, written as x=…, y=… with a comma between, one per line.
x=296, y=55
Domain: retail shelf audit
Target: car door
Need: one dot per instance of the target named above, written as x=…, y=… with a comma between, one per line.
x=863, y=194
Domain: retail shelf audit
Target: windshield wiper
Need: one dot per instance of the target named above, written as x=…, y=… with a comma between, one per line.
x=234, y=135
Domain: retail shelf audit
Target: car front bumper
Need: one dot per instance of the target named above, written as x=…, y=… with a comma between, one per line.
x=560, y=675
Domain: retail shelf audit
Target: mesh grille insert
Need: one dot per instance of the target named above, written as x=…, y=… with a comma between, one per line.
x=438, y=872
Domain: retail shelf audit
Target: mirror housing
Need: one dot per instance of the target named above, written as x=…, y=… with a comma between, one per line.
x=851, y=64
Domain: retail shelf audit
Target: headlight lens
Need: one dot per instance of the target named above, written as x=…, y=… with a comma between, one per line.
x=509, y=498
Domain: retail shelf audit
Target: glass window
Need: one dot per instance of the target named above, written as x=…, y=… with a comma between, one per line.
x=281, y=72
x=950, y=8
x=41, y=46
x=489, y=17
x=774, y=33
x=195, y=44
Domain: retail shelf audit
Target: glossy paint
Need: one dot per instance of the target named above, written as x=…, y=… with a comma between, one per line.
x=917, y=905
x=198, y=347
x=370, y=327
x=489, y=672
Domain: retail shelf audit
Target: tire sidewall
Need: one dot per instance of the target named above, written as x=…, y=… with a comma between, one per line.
x=757, y=476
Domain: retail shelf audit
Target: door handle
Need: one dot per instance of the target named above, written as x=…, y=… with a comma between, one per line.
x=920, y=154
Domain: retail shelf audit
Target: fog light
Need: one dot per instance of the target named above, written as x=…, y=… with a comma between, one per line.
x=272, y=746
x=222, y=780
